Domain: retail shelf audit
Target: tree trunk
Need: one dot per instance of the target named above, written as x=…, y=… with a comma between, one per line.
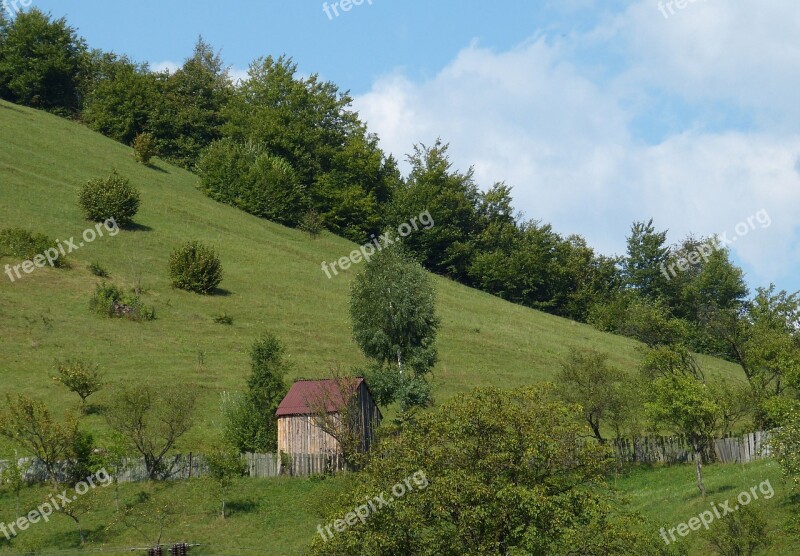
x=80, y=529
x=595, y=425
x=698, y=467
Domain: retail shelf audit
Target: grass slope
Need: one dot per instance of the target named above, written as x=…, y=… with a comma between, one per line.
x=273, y=281
x=264, y=516
x=280, y=516
x=669, y=496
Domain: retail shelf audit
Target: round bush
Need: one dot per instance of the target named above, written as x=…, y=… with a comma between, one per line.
x=195, y=268
x=109, y=197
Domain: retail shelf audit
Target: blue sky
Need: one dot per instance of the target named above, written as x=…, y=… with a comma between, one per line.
x=352, y=49
x=598, y=113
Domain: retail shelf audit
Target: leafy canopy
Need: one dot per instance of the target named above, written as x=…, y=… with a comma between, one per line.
x=505, y=473
x=392, y=309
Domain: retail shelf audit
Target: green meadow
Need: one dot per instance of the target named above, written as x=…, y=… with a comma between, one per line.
x=273, y=282
x=280, y=516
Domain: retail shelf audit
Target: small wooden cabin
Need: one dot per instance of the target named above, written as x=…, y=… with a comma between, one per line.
x=298, y=430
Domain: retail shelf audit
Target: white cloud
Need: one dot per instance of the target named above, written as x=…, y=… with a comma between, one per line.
x=559, y=132
x=166, y=65
x=743, y=51
x=235, y=74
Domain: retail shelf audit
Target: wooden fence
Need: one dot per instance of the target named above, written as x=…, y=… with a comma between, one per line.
x=742, y=449
x=194, y=465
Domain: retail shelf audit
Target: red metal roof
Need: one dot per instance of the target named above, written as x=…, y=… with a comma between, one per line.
x=305, y=392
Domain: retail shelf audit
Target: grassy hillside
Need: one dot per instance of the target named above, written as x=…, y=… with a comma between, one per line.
x=280, y=516
x=264, y=516
x=668, y=496
x=273, y=281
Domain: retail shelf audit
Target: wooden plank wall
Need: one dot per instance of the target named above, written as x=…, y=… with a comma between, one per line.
x=297, y=434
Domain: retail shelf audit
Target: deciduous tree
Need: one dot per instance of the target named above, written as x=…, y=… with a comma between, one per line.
x=31, y=425
x=152, y=420
x=40, y=62
x=392, y=309
x=225, y=463
x=586, y=379
x=80, y=377
x=491, y=472
x=677, y=399
x=346, y=425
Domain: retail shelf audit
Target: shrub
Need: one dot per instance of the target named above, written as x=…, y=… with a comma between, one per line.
x=650, y=322
x=104, y=298
x=109, y=301
x=83, y=459
x=274, y=191
x=224, y=318
x=241, y=425
x=144, y=148
x=23, y=244
x=109, y=197
x=98, y=270
x=195, y=268
x=311, y=224
x=134, y=309
x=743, y=533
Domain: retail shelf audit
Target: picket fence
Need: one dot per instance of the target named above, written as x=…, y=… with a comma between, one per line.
x=743, y=449
x=187, y=466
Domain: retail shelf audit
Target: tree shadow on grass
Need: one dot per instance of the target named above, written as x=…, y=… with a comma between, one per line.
x=93, y=409
x=134, y=227
x=222, y=292
x=722, y=489
x=157, y=168
x=241, y=506
x=70, y=538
